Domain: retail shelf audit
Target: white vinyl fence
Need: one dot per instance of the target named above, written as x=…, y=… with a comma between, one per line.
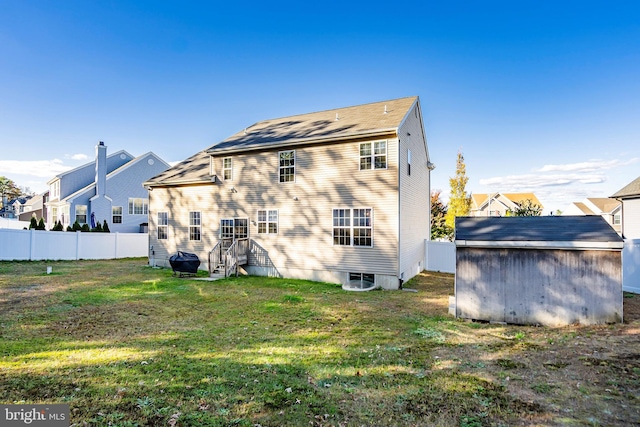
x=64, y=245
x=14, y=224
x=631, y=266
x=440, y=256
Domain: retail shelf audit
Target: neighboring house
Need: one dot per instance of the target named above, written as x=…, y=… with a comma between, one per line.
x=339, y=195
x=12, y=208
x=497, y=204
x=608, y=208
x=108, y=189
x=35, y=206
x=630, y=198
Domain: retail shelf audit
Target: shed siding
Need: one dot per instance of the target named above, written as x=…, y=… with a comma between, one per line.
x=326, y=176
x=631, y=218
x=548, y=287
x=414, y=195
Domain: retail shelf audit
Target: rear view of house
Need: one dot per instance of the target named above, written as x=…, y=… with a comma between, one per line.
x=339, y=195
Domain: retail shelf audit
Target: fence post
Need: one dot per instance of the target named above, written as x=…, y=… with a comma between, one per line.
x=115, y=246
x=78, y=253
x=32, y=244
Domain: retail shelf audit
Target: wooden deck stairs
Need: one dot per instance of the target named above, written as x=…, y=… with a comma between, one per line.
x=226, y=256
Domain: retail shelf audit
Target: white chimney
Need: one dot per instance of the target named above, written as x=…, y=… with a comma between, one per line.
x=101, y=169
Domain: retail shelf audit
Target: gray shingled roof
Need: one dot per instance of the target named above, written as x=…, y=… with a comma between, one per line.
x=359, y=121
x=630, y=190
x=339, y=123
x=535, y=228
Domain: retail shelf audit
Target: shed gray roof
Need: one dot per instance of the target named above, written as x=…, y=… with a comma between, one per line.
x=536, y=231
x=630, y=190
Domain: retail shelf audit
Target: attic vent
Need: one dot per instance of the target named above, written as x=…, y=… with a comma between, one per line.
x=337, y=118
x=385, y=109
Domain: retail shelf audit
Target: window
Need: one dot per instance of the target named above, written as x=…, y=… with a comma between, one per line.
x=138, y=206
x=287, y=170
x=237, y=228
x=361, y=281
x=163, y=225
x=353, y=227
x=408, y=162
x=81, y=214
x=54, y=190
x=373, y=155
x=227, y=169
x=616, y=219
x=116, y=215
x=194, y=225
x=268, y=221
x=226, y=229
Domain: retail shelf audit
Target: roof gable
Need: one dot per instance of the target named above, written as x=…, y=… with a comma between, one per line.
x=630, y=190
x=115, y=172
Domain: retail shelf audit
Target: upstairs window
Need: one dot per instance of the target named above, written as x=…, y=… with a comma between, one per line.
x=54, y=190
x=163, y=225
x=353, y=227
x=617, y=219
x=268, y=221
x=287, y=170
x=373, y=155
x=227, y=170
x=81, y=214
x=195, y=226
x=138, y=206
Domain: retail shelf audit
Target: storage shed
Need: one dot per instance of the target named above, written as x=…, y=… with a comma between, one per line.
x=554, y=270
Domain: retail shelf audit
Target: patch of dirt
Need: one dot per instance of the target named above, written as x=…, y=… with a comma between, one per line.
x=576, y=375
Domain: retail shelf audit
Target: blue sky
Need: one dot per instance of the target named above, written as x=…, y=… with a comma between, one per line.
x=539, y=96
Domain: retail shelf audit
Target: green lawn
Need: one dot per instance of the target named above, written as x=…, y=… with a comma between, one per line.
x=128, y=345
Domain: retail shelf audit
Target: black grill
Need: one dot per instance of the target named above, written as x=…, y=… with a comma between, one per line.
x=184, y=263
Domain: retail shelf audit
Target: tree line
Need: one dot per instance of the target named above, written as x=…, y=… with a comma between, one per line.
x=443, y=216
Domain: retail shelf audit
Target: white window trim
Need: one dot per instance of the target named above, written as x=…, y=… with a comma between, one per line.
x=267, y=222
x=351, y=227
x=114, y=215
x=295, y=161
x=131, y=206
x=165, y=227
x=230, y=169
x=194, y=226
x=86, y=213
x=372, y=156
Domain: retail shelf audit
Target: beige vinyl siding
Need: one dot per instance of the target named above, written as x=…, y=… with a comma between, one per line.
x=327, y=177
x=414, y=196
x=631, y=218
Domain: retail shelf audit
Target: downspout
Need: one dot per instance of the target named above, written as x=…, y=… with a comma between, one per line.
x=400, y=281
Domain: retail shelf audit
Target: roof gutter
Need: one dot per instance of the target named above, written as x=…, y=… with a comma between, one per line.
x=304, y=141
x=177, y=182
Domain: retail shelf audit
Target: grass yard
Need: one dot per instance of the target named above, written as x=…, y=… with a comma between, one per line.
x=127, y=345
